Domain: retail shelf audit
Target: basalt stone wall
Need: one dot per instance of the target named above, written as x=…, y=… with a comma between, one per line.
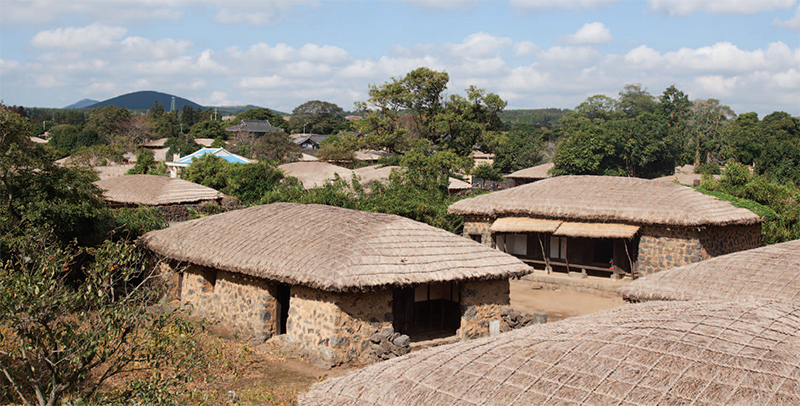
x=662, y=248
x=334, y=328
x=482, y=305
x=479, y=226
x=244, y=304
x=718, y=241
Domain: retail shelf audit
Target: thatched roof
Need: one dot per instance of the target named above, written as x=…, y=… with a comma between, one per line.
x=330, y=248
x=111, y=171
x=771, y=272
x=371, y=173
x=457, y=184
x=154, y=190
x=607, y=199
x=658, y=353
x=314, y=174
x=534, y=172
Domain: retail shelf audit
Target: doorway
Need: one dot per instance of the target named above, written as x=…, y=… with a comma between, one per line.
x=282, y=311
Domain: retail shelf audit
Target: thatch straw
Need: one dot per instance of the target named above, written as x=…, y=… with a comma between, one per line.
x=596, y=230
x=314, y=174
x=154, y=190
x=330, y=248
x=658, y=353
x=771, y=272
x=524, y=225
x=607, y=199
x=534, y=172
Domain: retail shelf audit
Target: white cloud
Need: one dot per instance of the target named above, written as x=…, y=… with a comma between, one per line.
x=717, y=85
x=643, y=57
x=263, y=82
x=217, y=98
x=285, y=53
x=525, y=48
x=91, y=37
x=685, y=7
x=590, y=33
x=47, y=81
x=257, y=12
x=792, y=23
x=7, y=66
x=478, y=45
x=569, y=56
x=139, y=48
x=560, y=4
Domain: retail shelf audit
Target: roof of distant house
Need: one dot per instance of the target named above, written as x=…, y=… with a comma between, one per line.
x=154, y=190
x=254, y=126
x=534, y=172
x=330, y=248
x=38, y=140
x=220, y=152
x=608, y=199
x=314, y=174
x=657, y=353
x=159, y=143
x=771, y=272
x=206, y=142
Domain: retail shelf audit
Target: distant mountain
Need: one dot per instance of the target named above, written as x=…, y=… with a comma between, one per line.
x=144, y=100
x=234, y=110
x=81, y=104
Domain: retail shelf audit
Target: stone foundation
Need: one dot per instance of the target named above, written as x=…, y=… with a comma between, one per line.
x=482, y=305
x=239, y=302
x=479, y=226
x=718, y=241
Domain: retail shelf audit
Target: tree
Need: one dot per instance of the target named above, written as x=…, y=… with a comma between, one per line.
x=275, y=146
x=189, y=117
x=251, y=182
x=182, y=145
x=156, y=111
x=743, y=141
x=132, y=133
x=411, y=112
x=598, y=106
x=209, y=129
x=707, y=123
x=64, y=138
x=208, y=170
x=107, y=120
x=517, y=149
x=316, y=117
x=634, y=100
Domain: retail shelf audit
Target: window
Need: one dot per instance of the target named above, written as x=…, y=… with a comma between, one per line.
x=558, y=247
x=475, y=237
x=515, y=244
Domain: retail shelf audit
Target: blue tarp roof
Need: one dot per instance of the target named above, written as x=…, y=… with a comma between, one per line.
x=220, y=152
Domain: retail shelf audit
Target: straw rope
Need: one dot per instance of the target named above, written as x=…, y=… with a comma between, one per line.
x=771, y=272
x=657, y=353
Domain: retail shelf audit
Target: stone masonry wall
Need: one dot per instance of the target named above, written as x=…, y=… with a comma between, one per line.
x=662, y=248
x=718, y=241
x=482, y=303
x=334, y=328
x=244, y=304
x=479, y=226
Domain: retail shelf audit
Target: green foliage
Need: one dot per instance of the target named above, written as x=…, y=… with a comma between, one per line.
x=248, y=182
x=546, y=118
x=182, y=145
x=208, y=170
x=107, y=120
x=62, y=336
x=209, y=129
x=708, y=168
x=132, y=223
x=783, y=200
x=486, y=171
x=64, y=138
x=517, y=149
x=316, y=117
x=144, y=162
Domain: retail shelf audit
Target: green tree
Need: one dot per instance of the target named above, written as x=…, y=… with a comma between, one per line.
x=64, y=138
x=209, y=129
x=316, y=117
x=189, y=117
x=519, y=148
x=107, y=120
x=182, y=144
x=208, y=170
x=597, y=107
x=251, y=182
x=156, y=111
x=634, y=101
x=275, y=146
x=706, y=126
x=742, y=141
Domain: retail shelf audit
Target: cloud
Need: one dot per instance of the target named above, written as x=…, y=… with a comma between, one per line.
x=590, y=33
x=525, y=48
x=139, y=48
x=792, y=23
x=285, y=53
x=478, y=45
x=217, y=98
x=91, y=37
x=560, y=4
x=745, y=7
x=258, y=12
x=717, y=84
x=569, y=56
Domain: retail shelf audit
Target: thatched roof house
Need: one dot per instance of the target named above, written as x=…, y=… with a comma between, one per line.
x=607, y=224
x=771, y=272
x=171, y=195
x=660, y=353
x=314, y=174
x=332, y=279
x=532, y=174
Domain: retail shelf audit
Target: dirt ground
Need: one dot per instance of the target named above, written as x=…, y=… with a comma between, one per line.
x=558, y=304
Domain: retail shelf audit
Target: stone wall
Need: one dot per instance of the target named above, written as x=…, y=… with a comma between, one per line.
x=239, y=302
x=335, y=328
x=479, y=226
x=718, y=241
x=482, y=305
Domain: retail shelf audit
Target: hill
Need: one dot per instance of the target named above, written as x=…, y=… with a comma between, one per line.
x=81, y=104
x=144, y=100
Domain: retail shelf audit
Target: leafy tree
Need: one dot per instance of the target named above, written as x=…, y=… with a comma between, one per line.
x=182, y=144
x=65, y=336
x=598, y=106
x=634, y=101
x=275, y=146
x=96, y=155
x=189, y=117
x=517, y=149
x=486, y=171
x=208, y=170
x=317, y=117
x=132, y=133
x=209, y=129
x=251, y=182
x=107, y=120
x=743, y=140
x=64, y=138
x=707, y=123
x=405, y=111
x=156, y=111
x=218, y=143
x=145, y=163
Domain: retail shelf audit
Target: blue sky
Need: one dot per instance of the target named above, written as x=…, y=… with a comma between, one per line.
x=280, y=54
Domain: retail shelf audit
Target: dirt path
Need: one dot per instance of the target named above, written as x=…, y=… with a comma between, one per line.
x=558, y=304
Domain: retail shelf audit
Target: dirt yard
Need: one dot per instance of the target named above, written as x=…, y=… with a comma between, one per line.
x=558, y=304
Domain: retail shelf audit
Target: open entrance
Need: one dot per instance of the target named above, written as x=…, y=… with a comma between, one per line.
x=429, y=311
x=282, y=311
